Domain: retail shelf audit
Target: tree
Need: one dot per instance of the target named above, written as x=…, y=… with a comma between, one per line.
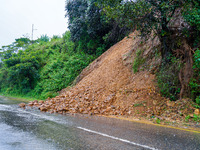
x=19, y=44
x=89, y=28
x=191, y=13
x=147, y=16
x=160, y=17
x=43, y=38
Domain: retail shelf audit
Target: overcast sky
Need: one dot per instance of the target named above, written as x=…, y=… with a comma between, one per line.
x=17, y=17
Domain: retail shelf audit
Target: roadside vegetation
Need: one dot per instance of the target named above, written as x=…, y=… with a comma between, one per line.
x=41, y=69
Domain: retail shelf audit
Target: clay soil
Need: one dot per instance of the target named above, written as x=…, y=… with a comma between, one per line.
x=109, y=87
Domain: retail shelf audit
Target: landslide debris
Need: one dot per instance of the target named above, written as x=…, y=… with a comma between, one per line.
x=108, y=86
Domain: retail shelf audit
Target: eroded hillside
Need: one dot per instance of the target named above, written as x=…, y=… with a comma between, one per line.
x=108, y=86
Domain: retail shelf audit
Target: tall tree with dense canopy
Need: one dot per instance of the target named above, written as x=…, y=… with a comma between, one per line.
x=89, y=27
x=160, y=17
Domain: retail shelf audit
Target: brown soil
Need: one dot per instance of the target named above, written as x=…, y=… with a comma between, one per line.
x=108, y=86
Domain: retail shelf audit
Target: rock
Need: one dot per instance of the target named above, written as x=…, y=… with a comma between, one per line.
x=196, y=112
x=72, y=101
x=121, y=113
x=96, y=112
x=94, y=108
x=22, y=105
x=109, y=98
x=85, y=112
x=129, y=112
x=108, y=109
x=170, y=103
x=113, y=107
x=35, y=101
x=90, y=96
x=42, y=108
x=51, y=111
x=103, y=106
x=191, y=115
x=81, y=110
x=41, y=102
x=72, y=110
x=115, y=113
x=86, y=98
x=30, y=104
x=71, y=94
x=102, y=111
x=154, y=102
x=60, y=112
x=89, y=109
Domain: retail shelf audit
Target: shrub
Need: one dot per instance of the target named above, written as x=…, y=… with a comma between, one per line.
x=139, y=60
x=43, y=68
x=195, y=81
x=168, y=81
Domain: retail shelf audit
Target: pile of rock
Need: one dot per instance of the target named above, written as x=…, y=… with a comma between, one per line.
x=83, y=103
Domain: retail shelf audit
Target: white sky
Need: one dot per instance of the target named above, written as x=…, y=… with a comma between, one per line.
x=17, y=17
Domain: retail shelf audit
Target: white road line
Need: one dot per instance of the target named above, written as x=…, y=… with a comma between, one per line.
x=116, y=138
x=88, y=130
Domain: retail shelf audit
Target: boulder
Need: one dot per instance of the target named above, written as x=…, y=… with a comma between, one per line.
x=42, y=108
x=196, y=112
x=22, y=105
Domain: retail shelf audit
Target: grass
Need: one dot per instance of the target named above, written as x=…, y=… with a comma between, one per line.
x=196, y=118
x=187, y=118
x=138, y=104
x=21, y=98
x=158, y=121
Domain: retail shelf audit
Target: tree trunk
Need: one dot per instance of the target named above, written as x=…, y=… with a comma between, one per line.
x=186, y=72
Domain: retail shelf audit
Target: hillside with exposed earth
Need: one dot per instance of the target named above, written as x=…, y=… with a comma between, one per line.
x=109, y=87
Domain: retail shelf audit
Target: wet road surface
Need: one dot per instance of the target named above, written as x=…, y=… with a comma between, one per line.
x=32, y=130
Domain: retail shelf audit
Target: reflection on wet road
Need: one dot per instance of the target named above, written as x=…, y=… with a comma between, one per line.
x=32, y=130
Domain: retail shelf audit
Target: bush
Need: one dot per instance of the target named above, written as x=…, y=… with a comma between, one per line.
x=43, y=68
x=168, y=81
x=195, y=81
x=139, y=60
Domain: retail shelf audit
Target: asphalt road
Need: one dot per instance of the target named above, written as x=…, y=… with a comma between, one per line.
x=32, y=130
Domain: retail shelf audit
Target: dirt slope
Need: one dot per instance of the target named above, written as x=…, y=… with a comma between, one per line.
x=108, y=86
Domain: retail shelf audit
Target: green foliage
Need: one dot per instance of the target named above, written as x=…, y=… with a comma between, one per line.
x=168, y=81
x=195, y=81
x=19, y=44
x=138, y=105
x=191, y=13
x=187, y=118
x=197, y=106
x=197, y=100
x=89, y=27
x=138, y=61
x=158, y=120
x=60, y=72
x=196, y=118
x=44, y=38
x=43, y=68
